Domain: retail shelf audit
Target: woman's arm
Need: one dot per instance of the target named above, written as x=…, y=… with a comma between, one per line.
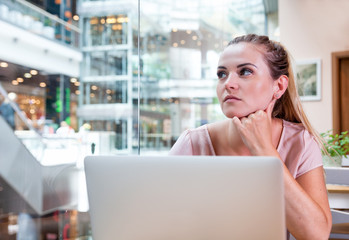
x=308, y=214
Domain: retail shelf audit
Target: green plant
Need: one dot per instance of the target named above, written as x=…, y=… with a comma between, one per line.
x=336, y=144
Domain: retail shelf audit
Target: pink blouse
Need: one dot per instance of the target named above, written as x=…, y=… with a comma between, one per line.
x=297, y=148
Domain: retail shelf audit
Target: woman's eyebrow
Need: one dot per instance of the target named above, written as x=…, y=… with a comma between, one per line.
x=244, y=64
x=222, y=67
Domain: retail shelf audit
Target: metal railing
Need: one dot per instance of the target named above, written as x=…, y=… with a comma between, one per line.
x=34, y=19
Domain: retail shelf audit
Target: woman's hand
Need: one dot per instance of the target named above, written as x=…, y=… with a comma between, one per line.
x=256, y=132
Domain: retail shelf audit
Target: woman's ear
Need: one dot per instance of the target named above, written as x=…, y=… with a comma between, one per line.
x=280, y=86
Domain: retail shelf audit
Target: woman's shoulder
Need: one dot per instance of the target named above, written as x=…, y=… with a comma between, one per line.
x=199, y=130
x=194, y=141
x=217, y=127
x=194, y=133
x=292, y=129
x=298, y=131
x=299, y=149
x=297, y=135
x=293, y=126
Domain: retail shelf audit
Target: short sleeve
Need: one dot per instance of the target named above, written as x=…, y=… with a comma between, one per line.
x=183, y=145
x=298, y=149
x=311, y=157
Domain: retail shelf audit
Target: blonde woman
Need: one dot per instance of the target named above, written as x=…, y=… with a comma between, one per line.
x=257, y=93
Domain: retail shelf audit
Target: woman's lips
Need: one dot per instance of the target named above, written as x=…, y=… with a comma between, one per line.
x=231, y=98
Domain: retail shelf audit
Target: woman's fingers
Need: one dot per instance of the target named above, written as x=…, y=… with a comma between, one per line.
x=237, y=122
x=255, y=130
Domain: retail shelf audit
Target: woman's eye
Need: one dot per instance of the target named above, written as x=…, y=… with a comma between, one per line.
x=221, y=75
x=245, y=72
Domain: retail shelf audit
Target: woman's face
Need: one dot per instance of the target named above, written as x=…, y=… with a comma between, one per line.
x=244, y=82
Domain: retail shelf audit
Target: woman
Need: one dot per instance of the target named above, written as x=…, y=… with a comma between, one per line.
x=257, y=93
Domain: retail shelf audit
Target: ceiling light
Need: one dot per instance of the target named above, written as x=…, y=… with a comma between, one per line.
x=27, y=75
x=33, y=72
x=122, y=19
x=93, y=21
x=182, y=42
x=116, y=27
x=3, y=64
x=20, y=80
x=111, y=20
x=94, y=87
x=174, y=30
x=108, y=91
x=77, y=92
x=14, y=82
x=42, y=84
x=175, y=44
x=73, y=80
x=76, y=18
x=77, y=84
x=194, y=37
x=92, y=95
x=188, y=31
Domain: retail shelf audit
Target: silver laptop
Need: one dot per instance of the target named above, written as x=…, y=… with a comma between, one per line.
x=185, y=198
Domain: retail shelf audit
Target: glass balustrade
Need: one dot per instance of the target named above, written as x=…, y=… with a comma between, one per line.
x=32, y=18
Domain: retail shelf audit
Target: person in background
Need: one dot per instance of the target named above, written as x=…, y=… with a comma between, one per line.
x=257, y=93
x=64, y=129
x=7, y=111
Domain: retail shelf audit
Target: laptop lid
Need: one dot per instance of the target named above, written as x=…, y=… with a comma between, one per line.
x=185, y=197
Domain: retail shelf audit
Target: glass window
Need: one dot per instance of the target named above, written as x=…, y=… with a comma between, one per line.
x=105, y=92
x=180, y=46
x=106, y=30
x=106, y=63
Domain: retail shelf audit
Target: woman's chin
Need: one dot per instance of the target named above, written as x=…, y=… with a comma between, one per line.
x=237, y=114
x=232, y=115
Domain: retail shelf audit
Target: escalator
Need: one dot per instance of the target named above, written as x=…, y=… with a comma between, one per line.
x=26, y=184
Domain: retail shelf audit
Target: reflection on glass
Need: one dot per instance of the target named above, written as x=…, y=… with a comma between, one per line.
x=107, y=81
x=106, y=30
x=106, y=63
x=180, y=47
x=180, y=43
x=105, y=92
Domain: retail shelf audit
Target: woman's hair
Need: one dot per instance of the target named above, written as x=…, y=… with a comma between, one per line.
x=288, y=106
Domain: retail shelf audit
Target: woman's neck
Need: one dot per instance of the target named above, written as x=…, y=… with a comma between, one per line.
x=234, y=141
x=226, y=140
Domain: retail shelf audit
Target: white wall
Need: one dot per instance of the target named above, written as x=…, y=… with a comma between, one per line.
x=314, y=29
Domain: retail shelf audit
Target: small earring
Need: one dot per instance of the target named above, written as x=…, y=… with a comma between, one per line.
x=276, y=96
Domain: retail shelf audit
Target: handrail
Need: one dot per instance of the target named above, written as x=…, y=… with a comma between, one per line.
x=49, y=15
x=51, y=26
x=18, y=111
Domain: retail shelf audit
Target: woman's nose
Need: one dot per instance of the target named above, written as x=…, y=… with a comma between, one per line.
x=231, y=82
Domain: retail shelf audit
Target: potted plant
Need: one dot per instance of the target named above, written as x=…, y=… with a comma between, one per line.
x=337, y=147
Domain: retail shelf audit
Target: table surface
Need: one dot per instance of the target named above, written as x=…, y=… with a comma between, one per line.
x=336, y=188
